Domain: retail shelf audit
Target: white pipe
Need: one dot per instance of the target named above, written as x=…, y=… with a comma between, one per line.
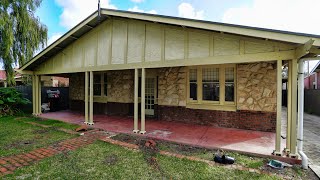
x=300, y=114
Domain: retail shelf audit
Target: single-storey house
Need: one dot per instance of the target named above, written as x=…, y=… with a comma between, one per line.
x=176, y=69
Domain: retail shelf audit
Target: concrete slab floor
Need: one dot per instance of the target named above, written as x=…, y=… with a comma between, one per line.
x=247, y=141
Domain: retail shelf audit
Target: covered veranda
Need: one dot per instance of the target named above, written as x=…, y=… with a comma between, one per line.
x=245, y=141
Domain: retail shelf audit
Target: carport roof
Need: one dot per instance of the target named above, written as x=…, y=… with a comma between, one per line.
x=93, y=20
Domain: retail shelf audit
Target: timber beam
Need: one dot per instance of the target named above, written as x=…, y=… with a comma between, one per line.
x=314, y=50
x=304, y=49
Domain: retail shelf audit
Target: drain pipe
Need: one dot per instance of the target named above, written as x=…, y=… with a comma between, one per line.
x=300, y=114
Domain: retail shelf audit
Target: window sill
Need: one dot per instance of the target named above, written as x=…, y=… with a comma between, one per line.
x=100, y=99
x=218, y=107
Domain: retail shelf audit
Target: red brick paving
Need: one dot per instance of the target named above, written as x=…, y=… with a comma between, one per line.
x=11, y=163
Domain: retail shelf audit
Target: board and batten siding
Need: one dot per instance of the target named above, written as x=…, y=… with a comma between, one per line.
x=126, y=44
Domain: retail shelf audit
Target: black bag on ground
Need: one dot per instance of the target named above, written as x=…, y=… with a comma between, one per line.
x=223, y=159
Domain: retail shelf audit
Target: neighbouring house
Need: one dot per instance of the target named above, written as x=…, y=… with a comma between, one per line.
x=54, y=81
x=3, y=79
x=312, y=80
x=177, y=69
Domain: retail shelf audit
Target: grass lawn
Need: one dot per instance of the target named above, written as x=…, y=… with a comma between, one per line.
x=106, y=161
x=18, y=137
x=50, y=122
x=102, y=160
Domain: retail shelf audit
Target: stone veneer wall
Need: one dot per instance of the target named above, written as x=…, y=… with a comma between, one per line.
x=76, y=86
x=121, y=86
x=120, y=93
x=256, y=99
x=172, y=86
x=257, y=87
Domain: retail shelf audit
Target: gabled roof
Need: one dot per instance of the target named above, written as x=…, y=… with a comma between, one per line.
x=93, y=20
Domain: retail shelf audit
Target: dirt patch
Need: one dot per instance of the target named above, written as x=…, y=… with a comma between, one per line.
x=111, y=160
x=128, y=139
x=19, y=144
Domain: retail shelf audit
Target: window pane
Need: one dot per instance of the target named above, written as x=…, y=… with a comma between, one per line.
x=230, y=74
x=97, y=78
x=193, y=84
x=210, y=75
x=193, y=91
x=210, y=91
x=210, y=84
x=105, y=85
x=229, y=92
x=193, y=75
x=97, y=89
x=97, y=84
x=229, y=86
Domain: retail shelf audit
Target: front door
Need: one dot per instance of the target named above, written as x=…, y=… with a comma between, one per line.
x=150, y=95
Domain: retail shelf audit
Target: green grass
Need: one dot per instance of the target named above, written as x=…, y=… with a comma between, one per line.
x=106, y=161
x=50, y=122
x=18, y=137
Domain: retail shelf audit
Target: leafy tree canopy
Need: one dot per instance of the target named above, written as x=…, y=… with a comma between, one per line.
x=21, y=33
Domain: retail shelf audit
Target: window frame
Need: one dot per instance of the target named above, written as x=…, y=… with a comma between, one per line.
x=102, y=83
x=206, y=104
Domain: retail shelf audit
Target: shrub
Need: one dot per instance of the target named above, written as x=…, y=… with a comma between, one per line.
x=10, y=100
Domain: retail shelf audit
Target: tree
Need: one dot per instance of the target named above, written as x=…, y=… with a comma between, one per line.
x=21, y=33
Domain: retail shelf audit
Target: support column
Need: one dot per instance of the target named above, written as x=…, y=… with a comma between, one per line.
x=91, y=99
x=279, y=106
x=39, y=95
x=86, y=98
x=34, y=95
x=293, y=142
x=143, y=100
x=136, y=116
x=289, y=112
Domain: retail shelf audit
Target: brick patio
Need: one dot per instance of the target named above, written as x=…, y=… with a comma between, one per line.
x=246, y=141
x=10, y=163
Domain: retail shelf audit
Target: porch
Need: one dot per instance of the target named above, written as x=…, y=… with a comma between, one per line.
x=246, y=141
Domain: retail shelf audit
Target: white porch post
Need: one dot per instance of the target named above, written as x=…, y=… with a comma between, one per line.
x=136, y=116
x=279, y=100
x=289, y=91
x=143, y=100
x=39, y=95
x=86, y=92
x=34, y=93
x=293, y=143
x=91, y=99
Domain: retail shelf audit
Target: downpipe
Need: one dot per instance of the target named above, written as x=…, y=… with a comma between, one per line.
x=304, y=157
